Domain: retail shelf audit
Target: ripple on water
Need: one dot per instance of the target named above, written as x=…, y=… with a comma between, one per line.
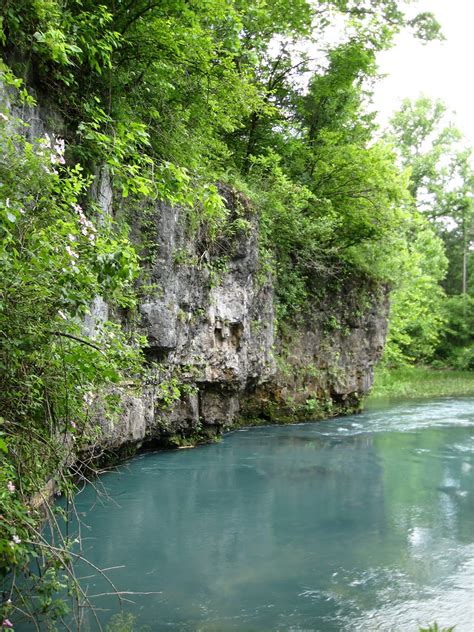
x=451, y=603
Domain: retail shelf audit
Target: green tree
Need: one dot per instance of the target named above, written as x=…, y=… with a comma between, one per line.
x=441, y=179
x=417, y=313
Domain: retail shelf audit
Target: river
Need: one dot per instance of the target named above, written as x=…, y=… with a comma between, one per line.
x=358, y=523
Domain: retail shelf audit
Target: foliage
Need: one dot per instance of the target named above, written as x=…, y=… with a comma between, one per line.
x=170, y=94
x=456, y=347
x=346, y=219
x=417, y=303
x=125, y=622
x=434, y=627
x=441, y=179
x=57, y=253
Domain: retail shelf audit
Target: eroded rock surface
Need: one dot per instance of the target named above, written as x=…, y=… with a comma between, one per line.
x=212, y=331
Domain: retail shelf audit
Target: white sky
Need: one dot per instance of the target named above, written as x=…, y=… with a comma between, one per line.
x=442, y=70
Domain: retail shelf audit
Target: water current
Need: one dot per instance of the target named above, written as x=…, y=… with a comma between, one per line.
x=359, y=523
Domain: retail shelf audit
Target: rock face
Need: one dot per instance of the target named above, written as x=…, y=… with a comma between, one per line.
x=208, y=313
x=215, y=359
x=210, y=332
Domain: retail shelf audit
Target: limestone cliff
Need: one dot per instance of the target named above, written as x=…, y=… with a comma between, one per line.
x=216, y=356
x=212, y=333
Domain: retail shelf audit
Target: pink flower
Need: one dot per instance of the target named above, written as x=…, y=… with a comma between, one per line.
x=11, y=487
x=72, y=424
x=59, y=146
x=87, y=227
x=6, y=623
x=58, y=157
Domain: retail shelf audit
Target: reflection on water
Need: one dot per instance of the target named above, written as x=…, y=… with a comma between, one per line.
x=364, y=523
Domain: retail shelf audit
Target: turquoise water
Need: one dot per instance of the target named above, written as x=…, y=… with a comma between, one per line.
x=361, y=523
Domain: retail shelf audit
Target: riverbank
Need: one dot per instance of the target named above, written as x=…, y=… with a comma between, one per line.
x=418, y=382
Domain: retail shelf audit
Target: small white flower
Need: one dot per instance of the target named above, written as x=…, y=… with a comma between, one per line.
x=15, y=540
x=62, y=314
x=11, y=487
x=71, y=252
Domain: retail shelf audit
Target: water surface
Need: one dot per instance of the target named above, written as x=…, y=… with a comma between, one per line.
x=361, y=523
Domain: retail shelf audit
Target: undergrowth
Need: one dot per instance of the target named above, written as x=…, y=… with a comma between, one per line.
x=421, y=382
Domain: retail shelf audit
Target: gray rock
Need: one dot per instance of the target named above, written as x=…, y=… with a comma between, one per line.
x=216, y=333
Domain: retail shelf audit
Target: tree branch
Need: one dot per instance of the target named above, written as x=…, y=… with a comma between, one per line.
x=81, y=340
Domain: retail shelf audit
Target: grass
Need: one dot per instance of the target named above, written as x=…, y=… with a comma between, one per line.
x=418, y=382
